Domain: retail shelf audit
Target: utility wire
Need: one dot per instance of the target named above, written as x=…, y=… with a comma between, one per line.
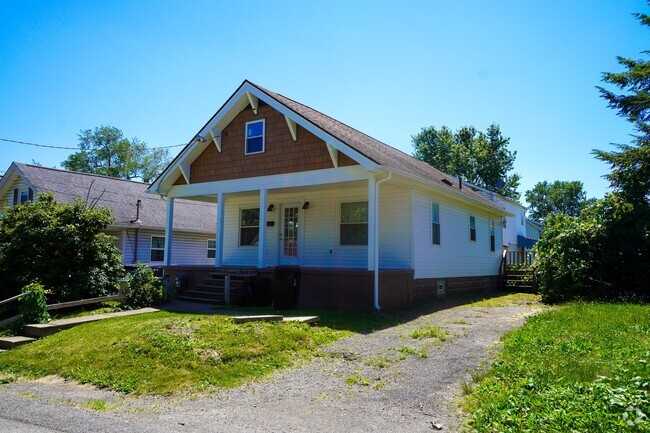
x=73, y=148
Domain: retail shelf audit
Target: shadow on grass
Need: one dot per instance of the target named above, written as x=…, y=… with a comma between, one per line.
x=361, y=322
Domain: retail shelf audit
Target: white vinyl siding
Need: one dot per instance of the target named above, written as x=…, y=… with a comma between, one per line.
x=455, y=256
x=187, y=248
x=8, y=197
x=319, y=229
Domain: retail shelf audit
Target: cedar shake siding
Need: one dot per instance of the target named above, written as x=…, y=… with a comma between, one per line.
x=281, y=154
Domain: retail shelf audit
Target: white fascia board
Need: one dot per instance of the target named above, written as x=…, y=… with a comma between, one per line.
x=496, y=211
x=299, y=179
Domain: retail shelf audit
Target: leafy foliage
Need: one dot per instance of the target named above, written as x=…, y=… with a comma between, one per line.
x=564, y=197
x=583, y=367
x=107, y=152
x=142, y=289
x=631, y=164
x=60, y=245
x=33, y=306
x=481, y=158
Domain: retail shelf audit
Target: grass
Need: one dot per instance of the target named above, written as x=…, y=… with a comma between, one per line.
x=163, y=353
x=505, y=299
x=583, y=368
x=429, y=332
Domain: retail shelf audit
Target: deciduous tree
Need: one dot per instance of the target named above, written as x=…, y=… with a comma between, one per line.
x=106, y=151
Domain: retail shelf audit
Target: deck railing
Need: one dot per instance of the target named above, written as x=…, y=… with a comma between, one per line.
x=519, y=258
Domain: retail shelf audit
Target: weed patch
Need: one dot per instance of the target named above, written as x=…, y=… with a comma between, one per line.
x=429, y=332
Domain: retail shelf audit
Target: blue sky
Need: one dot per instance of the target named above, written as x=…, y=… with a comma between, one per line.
x=158, y=70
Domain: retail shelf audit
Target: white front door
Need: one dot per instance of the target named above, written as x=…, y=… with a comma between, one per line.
x=289, y=234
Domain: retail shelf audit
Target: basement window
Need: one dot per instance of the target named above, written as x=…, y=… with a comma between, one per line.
x=354, y=223
x=255, y=137
x=157, y=248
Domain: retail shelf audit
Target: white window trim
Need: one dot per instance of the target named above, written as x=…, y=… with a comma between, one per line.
x=340, y=215
x=246, y=137
x=431, y=223
x=208, y=249
x=151, y=248
x=240, y=227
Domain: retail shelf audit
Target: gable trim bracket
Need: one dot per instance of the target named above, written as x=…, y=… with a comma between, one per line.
x=253, y=101
x=216, y=138
x=293, y=128
x=334, y=154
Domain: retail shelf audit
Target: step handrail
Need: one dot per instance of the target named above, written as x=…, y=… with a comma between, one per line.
x=14, y=298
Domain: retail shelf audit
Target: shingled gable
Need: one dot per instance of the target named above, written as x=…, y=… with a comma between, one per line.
x=119, y=195
x=372, y=154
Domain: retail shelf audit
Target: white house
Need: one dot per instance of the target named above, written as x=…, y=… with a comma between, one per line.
x=139, y=217
x=364, y=223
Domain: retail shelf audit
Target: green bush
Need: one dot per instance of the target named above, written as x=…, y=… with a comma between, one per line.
x=33, y=306
x=601, y=254
x=60, y=245
x=142, y=288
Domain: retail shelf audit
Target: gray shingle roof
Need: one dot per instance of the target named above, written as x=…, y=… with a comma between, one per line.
x=375, y=150
x=121, y=196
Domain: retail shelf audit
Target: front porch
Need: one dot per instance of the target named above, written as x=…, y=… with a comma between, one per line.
x=343, y=289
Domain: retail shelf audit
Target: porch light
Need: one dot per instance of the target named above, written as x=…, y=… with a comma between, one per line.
x=270, y=208
x=305, y=205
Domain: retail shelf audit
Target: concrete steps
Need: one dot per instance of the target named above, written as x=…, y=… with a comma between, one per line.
x=11, y=342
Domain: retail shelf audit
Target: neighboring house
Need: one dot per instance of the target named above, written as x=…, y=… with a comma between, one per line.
x=139, y=217
x=365, y=223
x=533, y=229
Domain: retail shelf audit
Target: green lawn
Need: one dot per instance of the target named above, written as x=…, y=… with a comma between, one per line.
x=581, y=368
x=164, y=352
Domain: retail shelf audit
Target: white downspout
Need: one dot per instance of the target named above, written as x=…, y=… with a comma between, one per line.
x=376, y=236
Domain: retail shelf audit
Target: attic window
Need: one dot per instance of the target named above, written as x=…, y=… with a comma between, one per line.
x=447, y=182
x=255, y=137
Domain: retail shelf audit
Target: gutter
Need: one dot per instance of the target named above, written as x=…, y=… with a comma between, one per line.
x=376, y=243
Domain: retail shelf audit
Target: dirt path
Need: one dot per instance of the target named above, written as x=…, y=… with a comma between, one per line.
x=385, y=382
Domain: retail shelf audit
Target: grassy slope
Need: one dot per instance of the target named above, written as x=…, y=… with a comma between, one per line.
x=584, y=367
x=167, y=352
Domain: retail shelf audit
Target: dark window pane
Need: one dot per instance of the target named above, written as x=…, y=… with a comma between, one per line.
x=248, y=236
x=472, y=234
x=157, y=242
x=254, y=129
x=492, y=243
x=250, y=217
x=354, y=234
x=212, y=243
x=354, y=212
x=435, y=234
x=157, y=255
x=212, y=254
x=254, y=145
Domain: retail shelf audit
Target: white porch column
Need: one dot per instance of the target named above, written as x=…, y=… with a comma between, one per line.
x=168, y=231
x=261, y=245
x=221, y=212
x=372, y=220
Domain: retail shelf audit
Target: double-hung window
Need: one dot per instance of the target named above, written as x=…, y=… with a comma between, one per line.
x=212, y=248
x=435, y=223
x=157, y=248
x=492, y=236
x=472, y=228
x=255, y=137
x=249, y=227
x=354, y=223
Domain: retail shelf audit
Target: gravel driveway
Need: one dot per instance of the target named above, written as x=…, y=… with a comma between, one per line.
x=384, y=382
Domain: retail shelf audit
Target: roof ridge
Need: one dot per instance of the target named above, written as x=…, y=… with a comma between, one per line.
x=80, y=172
